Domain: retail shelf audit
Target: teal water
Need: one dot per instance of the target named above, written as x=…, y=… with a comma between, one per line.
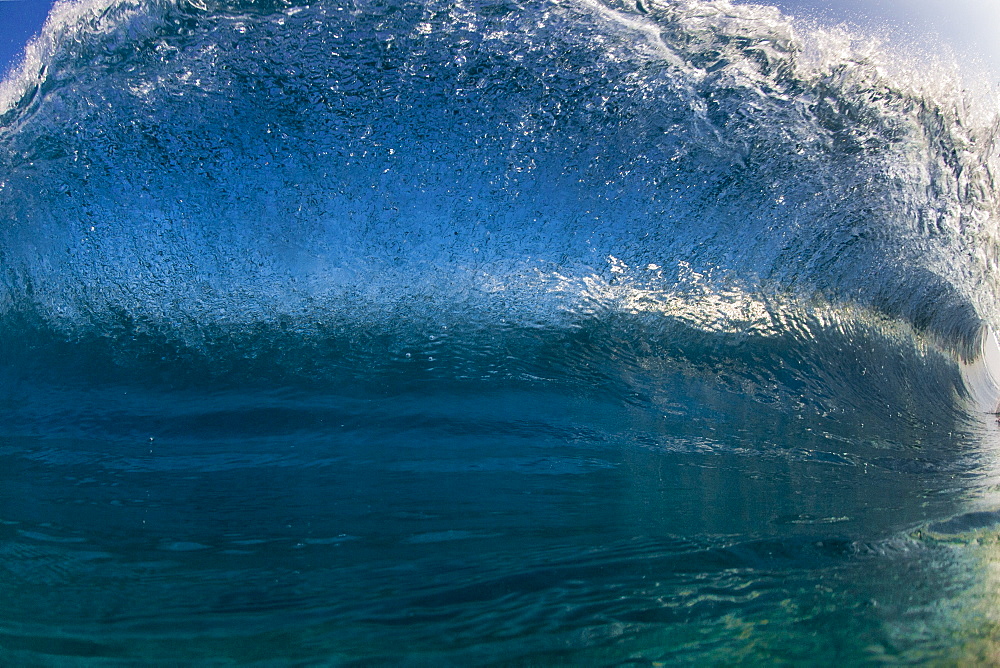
x=493, y=333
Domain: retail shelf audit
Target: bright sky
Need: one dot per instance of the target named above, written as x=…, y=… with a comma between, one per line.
x=970, y=27
x=19, y=20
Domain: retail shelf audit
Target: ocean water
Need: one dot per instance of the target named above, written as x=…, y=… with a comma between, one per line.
x=495, y=332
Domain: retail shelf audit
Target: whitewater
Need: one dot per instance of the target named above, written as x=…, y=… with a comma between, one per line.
x=495, y=333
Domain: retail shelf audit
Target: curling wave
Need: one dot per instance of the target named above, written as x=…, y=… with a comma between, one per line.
x=282, y=190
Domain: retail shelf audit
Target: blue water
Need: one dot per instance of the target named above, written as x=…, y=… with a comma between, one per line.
x=494, y=333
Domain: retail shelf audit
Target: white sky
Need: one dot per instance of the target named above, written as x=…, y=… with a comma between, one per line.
x=970, y=27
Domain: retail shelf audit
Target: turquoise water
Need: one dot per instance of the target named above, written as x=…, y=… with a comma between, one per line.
x=493, y=334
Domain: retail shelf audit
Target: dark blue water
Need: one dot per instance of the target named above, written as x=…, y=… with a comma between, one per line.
x=493, y=333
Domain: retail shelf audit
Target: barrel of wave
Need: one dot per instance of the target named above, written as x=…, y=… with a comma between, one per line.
x=982, y=375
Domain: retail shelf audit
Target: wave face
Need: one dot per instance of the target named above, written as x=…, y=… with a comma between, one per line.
x=173, y=168
x=432, y=244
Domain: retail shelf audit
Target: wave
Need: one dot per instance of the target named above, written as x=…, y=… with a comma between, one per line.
x=289, y=191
